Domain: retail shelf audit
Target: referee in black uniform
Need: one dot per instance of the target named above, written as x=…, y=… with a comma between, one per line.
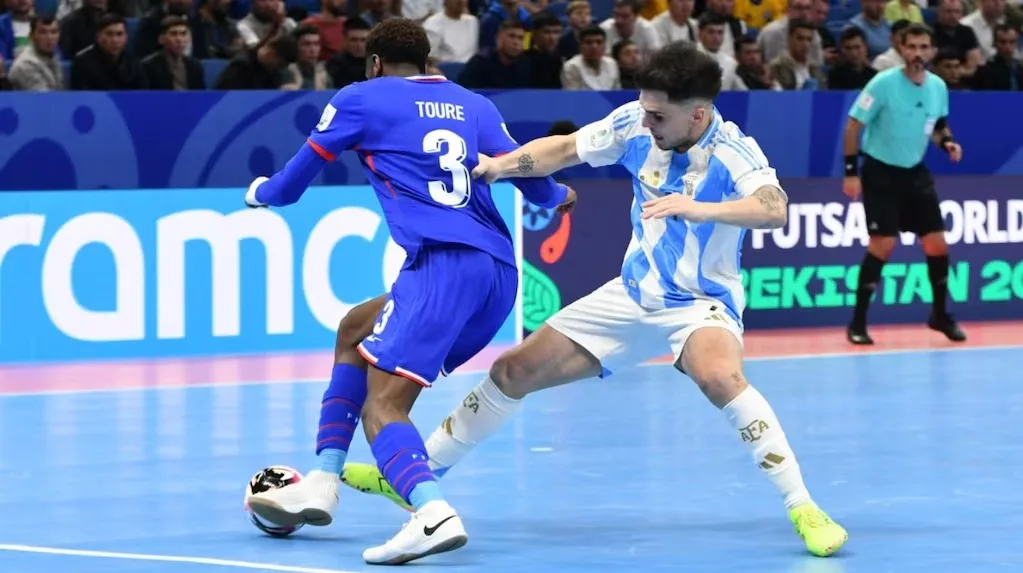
x=900, y=110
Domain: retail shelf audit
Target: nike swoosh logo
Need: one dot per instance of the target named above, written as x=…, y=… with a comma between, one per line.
x=431, y=530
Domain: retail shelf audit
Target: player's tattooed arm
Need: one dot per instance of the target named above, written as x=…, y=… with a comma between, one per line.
x=538, y=158
x=775, y=207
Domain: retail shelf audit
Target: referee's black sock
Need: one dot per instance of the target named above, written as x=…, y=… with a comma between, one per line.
x=937, y=271
x=870, y=274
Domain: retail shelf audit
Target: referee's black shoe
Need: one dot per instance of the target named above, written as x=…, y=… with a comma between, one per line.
x=857, y=334
x=945, y=324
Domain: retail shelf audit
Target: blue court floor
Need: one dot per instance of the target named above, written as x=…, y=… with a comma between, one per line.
x=917, y=454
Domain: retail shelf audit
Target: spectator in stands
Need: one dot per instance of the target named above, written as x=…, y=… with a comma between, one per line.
x=650, y=9
x=500, y=12
x=712, y=37
x=677, y=23
x=892, y=57
x=877, y=29
x=734, y=27
x=38, y=67
x=126, y=8
x=775, y=36
x=946, y=65
x=214, y=34
x=378, y=11
x=853, y=70
x=819, y=18
x=591, y=68
x=151, y=30
x=331, y=24
x=750, y=68
x=78, y=30
x=107, y=65
x=500, y=68
x=267, y=19
x=454, y=33
x=990, y=14
x=260, y=68
x=793, y=69
x=626, y=54
x=15, y=28
x=950, y=33
x=170, y=68
x=349, y=65
x=543, y=57
x=308, y=72
x=579, y=18
x=625, y=23
x=420, y=10
x=1002, y=72
x=897, y=10
x=758, y=13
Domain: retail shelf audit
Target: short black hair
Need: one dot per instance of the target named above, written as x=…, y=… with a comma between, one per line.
x=681, y=71
x=709, y=18
x=801, y=25
x=110, y=19
x=592, y=30
x=948, y=53
x=286, y=48
x=851, y=33
x=899, y=26
x=41, y=21
x=305, y=30
x=1003, y=28
x=356, y=23
x=616, y=50
x=543, y=20
x=916, y=30
x=170, y=22
x=399, y=41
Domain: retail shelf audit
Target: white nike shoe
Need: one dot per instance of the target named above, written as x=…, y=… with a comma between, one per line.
x=312, y=501
x=435, y=528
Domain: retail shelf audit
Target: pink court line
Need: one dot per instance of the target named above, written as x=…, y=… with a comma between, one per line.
x=315, y=366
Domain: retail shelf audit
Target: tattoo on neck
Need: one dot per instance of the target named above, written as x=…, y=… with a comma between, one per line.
x=526, y=163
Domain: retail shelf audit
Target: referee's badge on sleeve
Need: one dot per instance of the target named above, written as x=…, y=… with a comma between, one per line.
x=326, y=117
x=865, y=101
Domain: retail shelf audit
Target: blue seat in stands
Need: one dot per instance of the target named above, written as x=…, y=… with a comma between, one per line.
x=451, y=69
x=211, y=71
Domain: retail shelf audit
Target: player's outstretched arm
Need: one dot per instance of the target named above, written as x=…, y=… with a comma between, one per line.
x=288, y=184
x=766, y=208
x=538, y=158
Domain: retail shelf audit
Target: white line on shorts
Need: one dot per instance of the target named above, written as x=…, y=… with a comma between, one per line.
x=167, y=559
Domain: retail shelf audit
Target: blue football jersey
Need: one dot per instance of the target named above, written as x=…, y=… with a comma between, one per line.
x=418, y=139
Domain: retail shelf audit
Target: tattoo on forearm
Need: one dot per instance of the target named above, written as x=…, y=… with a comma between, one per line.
x=770, y=199
x=526, y=163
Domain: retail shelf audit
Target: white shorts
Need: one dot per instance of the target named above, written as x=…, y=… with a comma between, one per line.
x=621, y=334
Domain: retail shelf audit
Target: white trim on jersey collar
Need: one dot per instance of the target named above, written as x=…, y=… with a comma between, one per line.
x=427, y=77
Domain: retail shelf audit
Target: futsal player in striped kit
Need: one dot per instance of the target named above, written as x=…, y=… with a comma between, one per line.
x=899, y=112
x=699, y=184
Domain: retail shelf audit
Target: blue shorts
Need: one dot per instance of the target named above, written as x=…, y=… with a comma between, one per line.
x=442, y=310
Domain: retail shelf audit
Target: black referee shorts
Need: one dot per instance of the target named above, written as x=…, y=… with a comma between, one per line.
x=899, y=199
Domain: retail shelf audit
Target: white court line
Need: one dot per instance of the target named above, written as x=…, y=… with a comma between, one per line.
x=324, y=380
x=167, y=559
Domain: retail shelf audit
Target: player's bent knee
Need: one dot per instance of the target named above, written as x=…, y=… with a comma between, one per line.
x=881, y=247
x=712, y=358
x=512, y=376
x=934, y=244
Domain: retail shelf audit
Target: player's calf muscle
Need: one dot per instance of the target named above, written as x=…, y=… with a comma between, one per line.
x=355, y=326
x=545, y=359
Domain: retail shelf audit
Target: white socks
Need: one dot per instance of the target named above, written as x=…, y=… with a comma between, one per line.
x=481, y=414
x=752, y=416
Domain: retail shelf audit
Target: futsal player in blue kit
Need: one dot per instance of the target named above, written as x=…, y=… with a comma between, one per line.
x=418, y=137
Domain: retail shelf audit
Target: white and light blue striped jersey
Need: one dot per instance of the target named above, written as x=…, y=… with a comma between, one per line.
x=670, y=262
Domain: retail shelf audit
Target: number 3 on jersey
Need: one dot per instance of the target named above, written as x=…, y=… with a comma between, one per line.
x=461, y=180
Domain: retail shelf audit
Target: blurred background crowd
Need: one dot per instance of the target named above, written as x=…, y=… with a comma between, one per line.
x=498, y=44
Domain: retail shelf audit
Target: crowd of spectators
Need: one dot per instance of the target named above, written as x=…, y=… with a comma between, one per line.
x=497, y=44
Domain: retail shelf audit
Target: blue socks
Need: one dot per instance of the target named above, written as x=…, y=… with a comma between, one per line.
x=339, y=415
x=401, y=458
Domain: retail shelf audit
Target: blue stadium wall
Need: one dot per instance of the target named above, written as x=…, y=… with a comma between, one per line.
x=109, y=172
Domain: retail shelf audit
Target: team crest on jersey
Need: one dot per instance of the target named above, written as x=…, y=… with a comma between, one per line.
x=689, y=183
